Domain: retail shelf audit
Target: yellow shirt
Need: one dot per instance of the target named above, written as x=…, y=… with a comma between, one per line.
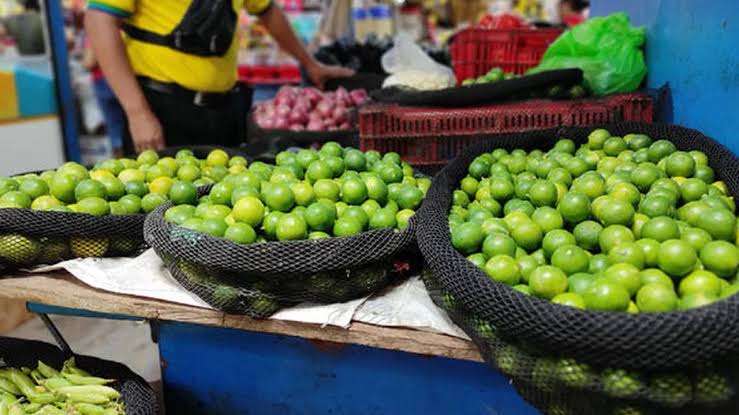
x=199, y=73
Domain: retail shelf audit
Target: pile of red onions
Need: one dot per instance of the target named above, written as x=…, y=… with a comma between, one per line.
x=308, y=109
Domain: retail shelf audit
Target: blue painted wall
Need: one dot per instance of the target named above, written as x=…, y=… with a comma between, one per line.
x=693, y=46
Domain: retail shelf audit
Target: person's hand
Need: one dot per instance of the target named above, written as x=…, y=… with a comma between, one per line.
x=146, y=131
x=320, y=73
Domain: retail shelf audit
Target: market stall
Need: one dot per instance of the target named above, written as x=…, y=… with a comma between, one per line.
x=521, y=229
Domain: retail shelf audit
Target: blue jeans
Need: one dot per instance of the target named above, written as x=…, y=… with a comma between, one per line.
x=112, y=113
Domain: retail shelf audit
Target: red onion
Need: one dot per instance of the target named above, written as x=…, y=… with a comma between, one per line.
x=283, y=110
x=324, y=108
x=280, y=122
x=316, y=125
x=359, y=97
x=345, y=126
x=297, y=127
x=298, y=116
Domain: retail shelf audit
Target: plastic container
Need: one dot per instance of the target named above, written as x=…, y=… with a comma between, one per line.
x=361, y=21
x=382, y=20
x=477, y=50
x=433, y=136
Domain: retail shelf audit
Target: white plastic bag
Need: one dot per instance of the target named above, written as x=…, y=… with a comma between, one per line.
x=410, y=66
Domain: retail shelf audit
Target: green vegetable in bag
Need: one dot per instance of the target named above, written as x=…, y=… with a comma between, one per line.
x=608, y=50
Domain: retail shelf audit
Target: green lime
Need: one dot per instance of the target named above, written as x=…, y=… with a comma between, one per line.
x=403, y=218
x=606, y=295
x=185, y=193
x=93, y=206
x=547, y=282
x=700, y=282
x=498, y=244
x=656, y=297
x=269, y=224
x=579, y=282
x=586, y=234
x=303, y=193
x=410, y=198
x=660, y=149
x=656, y=205
x=660, y=229
x=571, y=259
x=598, y=264
x=680, y=164
x=543, y=193
x=353, y=191
x=555, y=239
x=644, y=175
x=637, y=141
x=616, y=212
x=627, y=253
x=705, y=173
x=355, y=160
x=327, y=189
x=720, y=257
x=358, y=214
x=527, y=265
x=693, y=189
x=676, y=257
x=15, y=199
x=570, y=299
x=621, y=383
x=292, y=227
x=548, y=218
x=89, y=188
x=468, y=237
x=656, y=276
x=626, y=275
x=221, y=193
x=152, y=201
x=528, y=235
x=696, y=237
x=34, y=187
x=503, y=269
x=211, y=211
x=479, y=168
x=278, y=197
x=597, y=138
x=320, y=216
x=317, y=170
x=692, y=301
x=178, y=214
x=614, y=235
x=347, y=227
x=614, y=145
x=131, y=203
x=249, y=210
x=46, y=202
x=574, y=207
x=213, y=227
x=720, y=223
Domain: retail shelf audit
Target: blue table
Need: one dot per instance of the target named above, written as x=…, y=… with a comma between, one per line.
x=219, y=364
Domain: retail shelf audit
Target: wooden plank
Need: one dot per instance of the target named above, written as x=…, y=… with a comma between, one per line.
x=60, y=289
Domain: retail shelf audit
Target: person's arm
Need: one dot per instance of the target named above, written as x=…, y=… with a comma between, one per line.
x=107, y=44
x=279, y=27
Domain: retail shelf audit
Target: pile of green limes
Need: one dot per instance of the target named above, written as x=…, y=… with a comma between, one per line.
x=618, y=224
x=112, y=187
x=308, y=194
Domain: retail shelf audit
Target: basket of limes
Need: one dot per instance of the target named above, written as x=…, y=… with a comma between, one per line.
x=613, y=249
x=319, y=226
x=76, y=212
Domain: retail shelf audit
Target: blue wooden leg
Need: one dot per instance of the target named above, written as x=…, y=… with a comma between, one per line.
x=211, y=371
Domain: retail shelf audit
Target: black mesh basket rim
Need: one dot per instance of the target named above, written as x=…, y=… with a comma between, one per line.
x=622, y=339
x=47, y=223
x=136, y=393
x=306, y=256
x=479, y=94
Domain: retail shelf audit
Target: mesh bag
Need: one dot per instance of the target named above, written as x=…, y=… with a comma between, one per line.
x=259, y=279
x=481, y=94
x=642, y=341
x=558, y=384
x=136, y=393
x=30, y=237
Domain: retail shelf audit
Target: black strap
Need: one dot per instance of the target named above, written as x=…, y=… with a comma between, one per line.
x=147, y=36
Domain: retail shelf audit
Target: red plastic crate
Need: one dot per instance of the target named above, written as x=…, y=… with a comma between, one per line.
x=477, y=50
x=433, y=136
x=266, y=74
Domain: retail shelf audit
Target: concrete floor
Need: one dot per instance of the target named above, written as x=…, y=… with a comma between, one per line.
x=126, y=342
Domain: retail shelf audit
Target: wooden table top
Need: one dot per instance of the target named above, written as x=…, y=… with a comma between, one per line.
x=60, y=289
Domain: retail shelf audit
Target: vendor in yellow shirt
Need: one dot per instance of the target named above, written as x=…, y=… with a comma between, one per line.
x=174, y=67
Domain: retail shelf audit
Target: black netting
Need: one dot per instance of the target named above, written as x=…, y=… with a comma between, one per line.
x=136, y=393
x=641, y=341
x=536, y=85
x=261, y=278
x=30, y=237
x=558, y=384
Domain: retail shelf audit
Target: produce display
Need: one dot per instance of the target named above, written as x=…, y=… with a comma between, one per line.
x=48, y=391
x=622, y=224
x=493, y=76
x=113, y=188
x=309, y=109
x=366, y=57
x=308, y=195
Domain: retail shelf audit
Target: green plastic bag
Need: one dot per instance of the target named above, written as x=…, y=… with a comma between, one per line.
x=608, y=50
